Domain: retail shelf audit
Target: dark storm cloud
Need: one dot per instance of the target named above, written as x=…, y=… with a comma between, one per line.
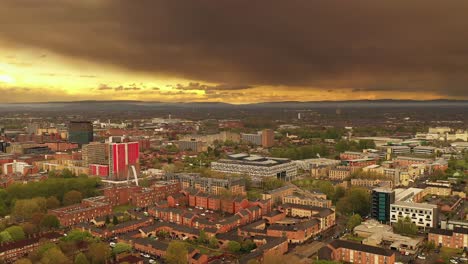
x=104, y=87
x=205, y=87
x=359, y=44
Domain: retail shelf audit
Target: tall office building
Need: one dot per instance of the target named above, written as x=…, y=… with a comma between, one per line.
x=123, y=158
x=268, y=138
x=94, y=153
x=80, y=132
x=381, y=200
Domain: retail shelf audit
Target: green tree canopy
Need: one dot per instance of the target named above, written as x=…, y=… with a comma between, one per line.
x=5, y=237
x=354, y=221
x=404, y=226
x=52, y=202
x=121, y=248
x=72, y=197
x=81, y=259
x=356, y=200
x=234, y=246
x=25, y=208
x=16, y=233
x=77, y=235
x=99, y=252
x=54, y=256
x=176, y=253
x=50, y=222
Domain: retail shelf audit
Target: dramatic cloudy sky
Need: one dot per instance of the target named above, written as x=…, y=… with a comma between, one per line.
x=233, y=51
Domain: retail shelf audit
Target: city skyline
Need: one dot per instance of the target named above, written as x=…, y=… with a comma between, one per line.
x=235, y=52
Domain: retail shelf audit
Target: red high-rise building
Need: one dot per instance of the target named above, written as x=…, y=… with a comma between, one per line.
x=99, y=170
x=122, y=157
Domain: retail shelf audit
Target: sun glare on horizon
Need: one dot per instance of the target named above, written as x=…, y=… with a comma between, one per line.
x=6, y=79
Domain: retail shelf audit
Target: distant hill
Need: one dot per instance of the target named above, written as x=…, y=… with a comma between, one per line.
x=130, y=105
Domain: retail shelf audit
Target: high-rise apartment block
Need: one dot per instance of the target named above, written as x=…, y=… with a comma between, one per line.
x=268, y=138
x=94, y=153
x=80, y=132
x=123, y=160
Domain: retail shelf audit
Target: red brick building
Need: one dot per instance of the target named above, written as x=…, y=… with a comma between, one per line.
x=61, y=146
x=456, y=238
x=89, y=208
x=351, y=252
x=139, y=196
x=297, y=233
x=9, y=252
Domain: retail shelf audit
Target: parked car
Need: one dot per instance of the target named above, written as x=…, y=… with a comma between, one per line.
x=421, y=257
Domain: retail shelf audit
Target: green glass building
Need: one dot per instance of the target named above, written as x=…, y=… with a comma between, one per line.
x=381, y=200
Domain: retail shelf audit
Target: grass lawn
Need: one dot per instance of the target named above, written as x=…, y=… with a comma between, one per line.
x=205, y=250
x=255, y=193
x=122, y=208
x=447, y=253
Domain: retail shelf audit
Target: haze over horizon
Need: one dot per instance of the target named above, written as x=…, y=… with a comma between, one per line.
x=233, y=52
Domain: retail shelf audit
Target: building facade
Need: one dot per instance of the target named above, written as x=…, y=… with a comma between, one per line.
x=422, y=214
x=80, y=132
x=257, y=167
x=381, y=200
x=456, y=238
x=123, y=160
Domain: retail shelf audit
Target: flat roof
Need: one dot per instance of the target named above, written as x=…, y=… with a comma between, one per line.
x=415, y=205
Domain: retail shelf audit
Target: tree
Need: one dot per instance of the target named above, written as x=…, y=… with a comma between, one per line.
x=339, y=193
x=50, y=222
x=366, y=144
x=77, y=235
x=3, y=207
x=54, y=256
x=405, y=227
x=342, y=146
x=81, y=259
x=36, y=218
x=353, y=221
x=121, y=248
x=176, y=253
x=99, y=252
x=25, y=208
x=214, y=243
x=52, y=202
x=5, y=237
x=203, y=237
x=428, y=246
x=16, y=233
x=72, y=197
x=234, y=246
x=66, y=173
x=356, y=200
x=29, y=228
x=272, y=183
x=247, y=246
x=115, y=220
